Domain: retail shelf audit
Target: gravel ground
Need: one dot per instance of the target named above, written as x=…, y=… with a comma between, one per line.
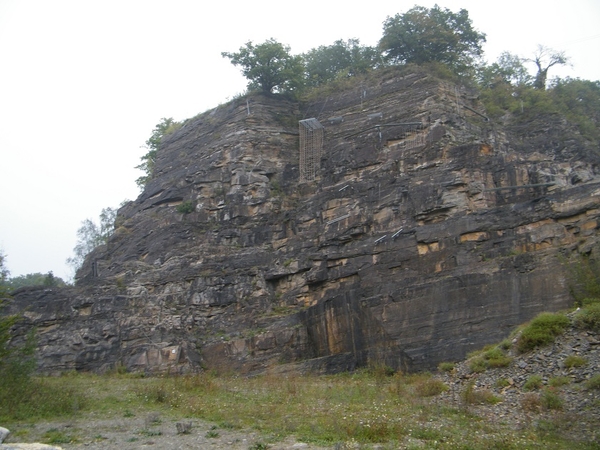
x=578, y=418
x=153, y=432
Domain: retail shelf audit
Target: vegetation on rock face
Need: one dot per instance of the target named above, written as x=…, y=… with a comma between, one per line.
x=90, y=235
x=340, y=60
x=269, y=66
x=165, y=127
x=423, y=35
x=542, y=331
x=35, y=279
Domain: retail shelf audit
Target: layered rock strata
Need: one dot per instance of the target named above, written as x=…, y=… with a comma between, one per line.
x=427, y=230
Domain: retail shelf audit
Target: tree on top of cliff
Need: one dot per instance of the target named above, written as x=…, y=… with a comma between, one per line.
x=544, y=58
x=342, y=58
x=423, y=35
x=269, y=66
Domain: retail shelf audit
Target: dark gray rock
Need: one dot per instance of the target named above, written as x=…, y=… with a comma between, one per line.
x=413, y=245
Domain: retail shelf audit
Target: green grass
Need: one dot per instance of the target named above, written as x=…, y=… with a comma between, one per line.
x=559, y=381
x=489, y=358
x=365, y=408
x=594, y=382
x=446, y=366
x=533, y=383
x=574, y=361
x=542, y=331
x=588, y=317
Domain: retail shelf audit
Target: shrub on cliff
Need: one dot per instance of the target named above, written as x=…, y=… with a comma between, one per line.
x=588, y=318
x=541, y=331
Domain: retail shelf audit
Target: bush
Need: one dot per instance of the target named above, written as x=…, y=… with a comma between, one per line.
x=574, y=361
x=588, y=318
x=185, y=207
x=541, y=331
x=430, y=387
x=551, y=400
x=473, y=396
x=559, y=381
x=531, y=402
x=446, y=366
x=491, y=358
x=533, y=382
x=594, y=382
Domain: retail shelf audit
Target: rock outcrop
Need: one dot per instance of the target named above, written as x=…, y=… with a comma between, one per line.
x=405, y=229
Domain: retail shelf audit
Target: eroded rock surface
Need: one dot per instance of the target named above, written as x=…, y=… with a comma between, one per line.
x=427, y=231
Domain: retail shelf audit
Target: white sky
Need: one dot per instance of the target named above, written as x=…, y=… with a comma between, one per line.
x=84, y=82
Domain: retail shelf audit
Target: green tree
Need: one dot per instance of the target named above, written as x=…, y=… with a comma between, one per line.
x=508, y=69
x=579, y=100
x=163, y=128
x=423, y=35
x=545, y=58
x=35, y=279
x=16, y=361
x=4, y=274
x=342, y=58
x=90, y=235
x=269, y=67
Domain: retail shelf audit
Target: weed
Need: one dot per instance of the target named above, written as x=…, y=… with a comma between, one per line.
x=541, y=331
x=211, y=434
x=559, y=381
x=493, y=357
x=588, y=318
x=55, y=436
x=531, y=402
x=430, y=387
x=258, y=446
x=150, y=433
x=574, y=361
x=551, y=400
x=478, y=365
x=502, y=383
x=506, y=344
x=446, y=366
x=473, y=396
x=594, y=382
x=533, y=383
x=185, y=207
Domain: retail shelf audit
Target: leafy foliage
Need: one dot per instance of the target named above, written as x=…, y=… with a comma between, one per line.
x=90, y=235
x=165, y=127
x=423, y=35
x=508, y=70
x=579, y=101
x=185, y=207
x=341, y=59
x=269, y=67
x=35, y=279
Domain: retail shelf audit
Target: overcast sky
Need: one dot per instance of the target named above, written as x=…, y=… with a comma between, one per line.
x=84, y=82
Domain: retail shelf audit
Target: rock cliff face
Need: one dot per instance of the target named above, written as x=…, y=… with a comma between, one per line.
x=402, y=229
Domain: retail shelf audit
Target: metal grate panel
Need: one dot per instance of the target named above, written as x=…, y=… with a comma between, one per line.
x=311, y=148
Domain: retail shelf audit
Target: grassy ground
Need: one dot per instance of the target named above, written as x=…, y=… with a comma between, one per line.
x=348, y=410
